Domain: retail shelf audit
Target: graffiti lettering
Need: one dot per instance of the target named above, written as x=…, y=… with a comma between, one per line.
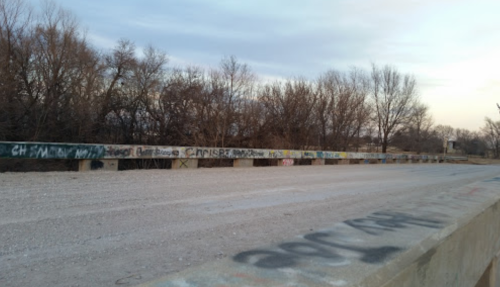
x=324, y=244
x=50, y=151
x=119, y=152
x=19, y=150
x=389, y=221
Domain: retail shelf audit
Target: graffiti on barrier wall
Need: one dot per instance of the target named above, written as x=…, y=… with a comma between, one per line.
x=50, y=151
x=97, y=151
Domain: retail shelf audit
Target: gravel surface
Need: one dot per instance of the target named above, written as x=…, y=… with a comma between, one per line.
x=126, y=228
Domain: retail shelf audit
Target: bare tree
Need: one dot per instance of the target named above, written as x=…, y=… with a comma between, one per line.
x=491, y=132
x=238, y=84
x=145, y=84
x=393, y=96
x=289, y=113
x=419, y=126
x=252, y=131
x=342, y=109
x=119, y=66
x=470, y=142
x=183, y=109
x=15, y=24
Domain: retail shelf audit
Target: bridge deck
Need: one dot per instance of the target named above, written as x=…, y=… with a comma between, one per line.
x=127, y=228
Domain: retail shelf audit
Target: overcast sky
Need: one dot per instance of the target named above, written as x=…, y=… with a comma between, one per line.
x=451, y=46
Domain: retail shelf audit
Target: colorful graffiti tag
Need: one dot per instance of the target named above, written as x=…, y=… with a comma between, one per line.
x=287, y=162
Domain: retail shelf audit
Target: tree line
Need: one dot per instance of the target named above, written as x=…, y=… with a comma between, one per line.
x=56, y=87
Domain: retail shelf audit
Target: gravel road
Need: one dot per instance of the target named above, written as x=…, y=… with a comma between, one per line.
x=126, y=228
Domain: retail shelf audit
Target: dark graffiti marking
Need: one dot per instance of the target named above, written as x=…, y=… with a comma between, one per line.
x=212, y=153
x=190, y=152
x=495, y=179
x=308, y=154
x=183, y=163
x=379, y=222
x=96, y=164
x=247, y=153
x=369, y=255
x=267, y=259
x=325, y=244
x=157, y=152
x=309, y=249
x=119, y=152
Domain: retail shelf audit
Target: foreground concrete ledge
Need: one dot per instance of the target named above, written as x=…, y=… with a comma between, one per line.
x=448, y=239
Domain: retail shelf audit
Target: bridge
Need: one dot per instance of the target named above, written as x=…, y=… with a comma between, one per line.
x=332, y=225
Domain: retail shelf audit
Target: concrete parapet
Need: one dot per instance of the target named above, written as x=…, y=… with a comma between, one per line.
x=40, y=150
x=445, y=239
x=183, y=163
x=98, y=164
x=318, y=161
x=46, y=150
x=344, y=161
x=243, y=162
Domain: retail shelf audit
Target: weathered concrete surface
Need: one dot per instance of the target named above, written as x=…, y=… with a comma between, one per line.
x=447, y=239
x=344, y=161
x=128, y=228
x=98, y=164
x=243, y=163
x=318, y=161
x=488, y=279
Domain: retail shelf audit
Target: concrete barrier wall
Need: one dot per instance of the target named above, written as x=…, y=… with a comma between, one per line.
x=448, y=239
x=34, y=150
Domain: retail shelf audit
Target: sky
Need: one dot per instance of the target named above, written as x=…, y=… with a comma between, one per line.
x=452, y=47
